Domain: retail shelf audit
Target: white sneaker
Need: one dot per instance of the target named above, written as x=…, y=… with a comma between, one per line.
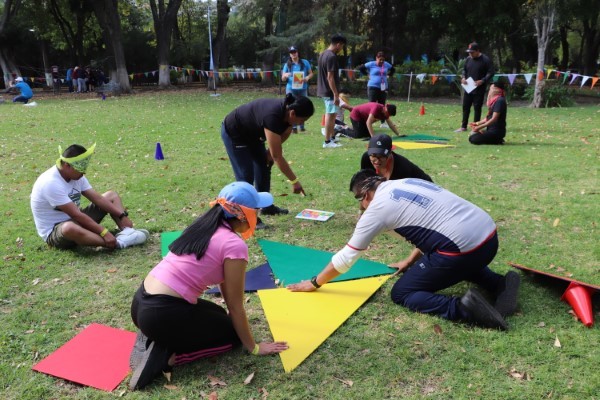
x=323, y=131
x=384, y=125
x=131, y=238
x=145, y=232
x=32, y=104
x=331, y=145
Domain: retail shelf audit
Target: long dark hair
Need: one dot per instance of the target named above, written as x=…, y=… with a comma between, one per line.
x=196, y=237
x=303, y=107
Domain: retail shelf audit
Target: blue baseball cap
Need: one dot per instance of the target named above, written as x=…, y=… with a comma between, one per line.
x=245, y=194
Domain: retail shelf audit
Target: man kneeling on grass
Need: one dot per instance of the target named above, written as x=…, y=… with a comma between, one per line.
x=455, y=241
x=55, y=202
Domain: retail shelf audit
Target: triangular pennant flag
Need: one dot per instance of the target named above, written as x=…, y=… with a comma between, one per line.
x=421, y=77
x=549, y=73
x=584, y=80
x=350, y=74
x=450, y=78
x=434, y=79
x=575, y=76
x=511, y=78
x=293, y=264
x=98, y=357
x=417, y=145
x=557, y=74
x=131, y=76
x=528, y=78
x=305, y=320
x=540, y=76
x=594, y=80
x=565, y=78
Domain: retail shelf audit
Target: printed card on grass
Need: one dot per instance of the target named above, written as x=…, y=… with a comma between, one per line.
x=315, y=215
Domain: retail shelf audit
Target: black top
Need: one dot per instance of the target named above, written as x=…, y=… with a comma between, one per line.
x=480, y=68
x=403, y=168
x=327, y=63
x=498, y=127
x=246, y=124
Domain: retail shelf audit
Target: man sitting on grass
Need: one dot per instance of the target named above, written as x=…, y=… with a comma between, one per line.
x=55, y=202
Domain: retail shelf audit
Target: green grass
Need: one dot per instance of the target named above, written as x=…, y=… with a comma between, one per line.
x=541, y=188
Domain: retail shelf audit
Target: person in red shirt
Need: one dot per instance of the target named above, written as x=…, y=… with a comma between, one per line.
x=365, y=115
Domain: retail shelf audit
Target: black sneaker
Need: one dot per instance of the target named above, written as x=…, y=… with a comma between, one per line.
x=507, y=293
x=139, y=348
x=273, y=210
x=480, y=312
x=260, y=224
x=154, y=361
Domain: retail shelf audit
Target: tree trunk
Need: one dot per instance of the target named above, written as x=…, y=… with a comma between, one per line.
x=108, y=17
x=268, y=58
x=164, y=21
x=591, y=38
x=221, y=55
x=7, y=63
x=543, y=20
x=564, y=44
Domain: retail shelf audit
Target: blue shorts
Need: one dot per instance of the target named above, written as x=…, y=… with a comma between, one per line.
x=330, y=107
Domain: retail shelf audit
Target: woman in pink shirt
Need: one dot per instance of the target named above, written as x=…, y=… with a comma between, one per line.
x=175, y=326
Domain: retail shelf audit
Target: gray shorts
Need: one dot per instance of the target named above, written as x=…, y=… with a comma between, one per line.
x=56, y=238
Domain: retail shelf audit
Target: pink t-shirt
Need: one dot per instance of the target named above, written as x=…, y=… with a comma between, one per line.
x=361, y=112
x=190, y=277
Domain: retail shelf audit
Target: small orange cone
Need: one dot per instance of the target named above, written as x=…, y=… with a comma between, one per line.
x=422, y=110
x=580, y=299
x=323, y=120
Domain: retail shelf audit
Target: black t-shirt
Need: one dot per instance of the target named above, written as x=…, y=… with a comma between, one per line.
x=246, y=124
x=327, y=63
x=403, y=168
x=499, y=127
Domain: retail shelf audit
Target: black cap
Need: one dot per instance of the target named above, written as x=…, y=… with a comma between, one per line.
x=292, y=49
x=473, y=47
x=380, y=144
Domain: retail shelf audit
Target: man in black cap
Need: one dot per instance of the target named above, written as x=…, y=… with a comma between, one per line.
x=380, y=158
x=478, y=67
x=492, y=129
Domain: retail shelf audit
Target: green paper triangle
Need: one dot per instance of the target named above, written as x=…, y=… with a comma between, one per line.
x=417, y=137
x=166, y=238
x=293, y=264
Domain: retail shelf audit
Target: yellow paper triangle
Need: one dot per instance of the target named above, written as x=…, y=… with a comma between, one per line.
x=413, y=145
x=305, y=320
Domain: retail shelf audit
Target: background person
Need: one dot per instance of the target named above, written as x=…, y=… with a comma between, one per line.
x=365, y=115
x=479, y=67
x=300, y=72
x=328, y=84
x=25, y=92
x=380, y=158
x=378, y=83
x=56, y=201
x=454, y=242
x=492, y=129
x=246, y=130
x=175, y=325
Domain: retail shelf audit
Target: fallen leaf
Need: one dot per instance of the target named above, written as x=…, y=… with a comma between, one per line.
x=249, y=379
x=171, y=387
x=264, y=393
x=213, y=396
x=541, y=324
x=214, y=381
x=111, y=271
x=556, y=222
x=437, y=329
x=346, y=382
x=557, y=342
x=122, y=393
x=29, y=331
x=35, y=281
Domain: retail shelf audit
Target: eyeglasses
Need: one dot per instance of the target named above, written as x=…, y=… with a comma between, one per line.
x=378, y=156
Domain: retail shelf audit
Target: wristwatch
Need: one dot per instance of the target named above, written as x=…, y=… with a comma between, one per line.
x=123, y=214
x=313, y=280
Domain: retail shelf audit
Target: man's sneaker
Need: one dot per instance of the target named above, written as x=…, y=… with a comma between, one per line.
x=480, y=312
x=130, y=238
x=273, y=210
x=323, y=131
x=331, y=145
x=507, y=293
x=384, y=125
x=335, y=139
x=154, y=361
x=294, y=130
x=461, y=129
x=139, y=348
x=302, y=129
x=260, y=224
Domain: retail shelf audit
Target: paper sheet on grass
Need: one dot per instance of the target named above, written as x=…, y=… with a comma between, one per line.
x=257, y=278
x=166, y=238
x=98, y=357
x=418, y=145
x=418, y=137
x=292, y=264
x=305, y=320
x=315, y=215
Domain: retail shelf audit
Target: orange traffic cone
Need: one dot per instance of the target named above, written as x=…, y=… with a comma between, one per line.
x=580, y=299
x=323, y=120
x=422, y=109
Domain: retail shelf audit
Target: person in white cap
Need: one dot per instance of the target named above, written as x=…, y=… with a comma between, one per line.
x=25, y=91
x=175, y=325
x=56, y=200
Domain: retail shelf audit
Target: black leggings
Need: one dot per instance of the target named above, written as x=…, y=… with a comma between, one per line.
x=191, y=331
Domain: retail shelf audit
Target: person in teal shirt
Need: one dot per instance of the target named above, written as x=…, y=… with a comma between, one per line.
x=297, y=72
x=25, y=91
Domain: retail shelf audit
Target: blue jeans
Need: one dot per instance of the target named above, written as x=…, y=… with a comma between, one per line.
x=434, y=271
x=249, y=162
x=21, y=99
x=296, y=93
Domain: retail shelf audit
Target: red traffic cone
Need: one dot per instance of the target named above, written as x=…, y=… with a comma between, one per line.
x=422, y=109
x=580, y=299
x=158, y=154
x=323, y=120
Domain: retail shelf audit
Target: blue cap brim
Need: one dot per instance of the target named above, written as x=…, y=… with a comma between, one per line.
x=265, y=199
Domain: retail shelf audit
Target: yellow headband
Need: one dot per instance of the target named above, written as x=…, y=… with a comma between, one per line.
x=80, y=162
